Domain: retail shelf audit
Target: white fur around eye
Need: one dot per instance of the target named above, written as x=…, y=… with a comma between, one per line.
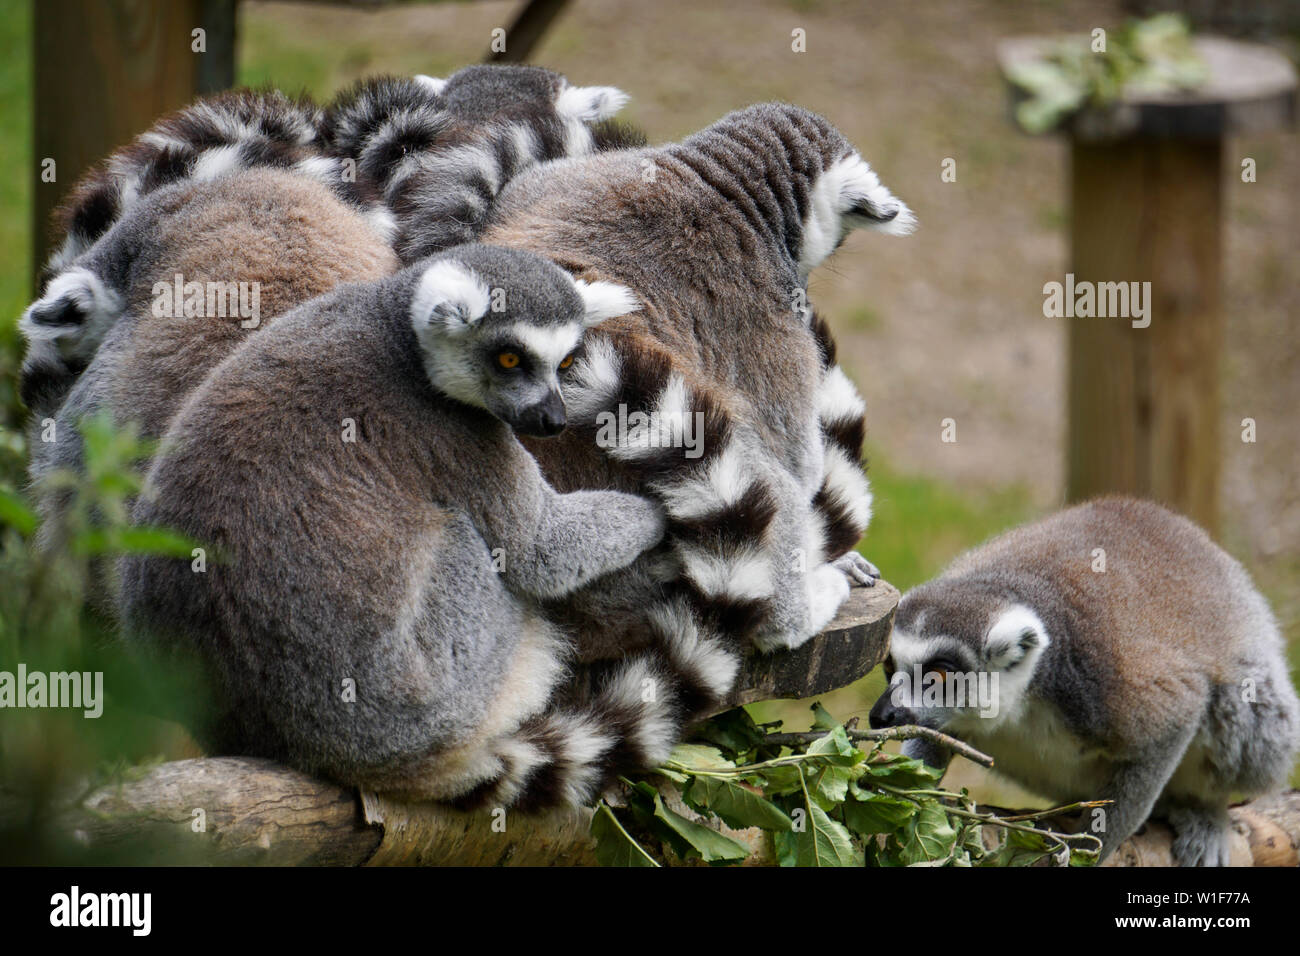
x=604, y=300
x=450, y=298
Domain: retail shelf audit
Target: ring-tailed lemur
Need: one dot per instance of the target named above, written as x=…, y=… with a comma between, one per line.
x=439, y=151
x=171, y=289
x=716, y=235
x=1134, y=661
x=502, y=111
x=385, y=543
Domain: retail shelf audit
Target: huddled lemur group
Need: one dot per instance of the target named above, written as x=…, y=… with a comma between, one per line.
x=437, y=572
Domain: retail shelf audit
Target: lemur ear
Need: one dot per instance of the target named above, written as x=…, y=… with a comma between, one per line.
x=589, y=103
x=864, y=200
x=75, y=312
x=449, y=299
x=432, y=83
x=604, y=300
x=1016, y=633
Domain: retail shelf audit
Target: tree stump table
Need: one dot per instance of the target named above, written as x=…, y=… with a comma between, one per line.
x=1146, y=204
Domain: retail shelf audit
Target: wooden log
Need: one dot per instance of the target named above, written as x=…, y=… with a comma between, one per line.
x=257, y=812
x=247, y=811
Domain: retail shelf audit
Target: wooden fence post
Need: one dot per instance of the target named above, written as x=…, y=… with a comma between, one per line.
x=1146, y=205
x=105, y=70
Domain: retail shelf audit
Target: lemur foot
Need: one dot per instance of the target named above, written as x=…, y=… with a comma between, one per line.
x=1201, y=836
x=857, y=569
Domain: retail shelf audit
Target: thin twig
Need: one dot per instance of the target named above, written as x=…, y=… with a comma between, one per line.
x=906, y=732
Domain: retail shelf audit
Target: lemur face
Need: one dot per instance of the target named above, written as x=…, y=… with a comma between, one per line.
x=957, y=658
x=499, y=329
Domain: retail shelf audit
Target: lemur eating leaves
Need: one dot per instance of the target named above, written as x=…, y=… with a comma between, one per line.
x=1135, y=662
x=386, y=543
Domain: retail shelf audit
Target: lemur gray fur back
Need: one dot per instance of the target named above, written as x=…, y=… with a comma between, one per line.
x=373, y=614
x=716, y=235
x=285, y=238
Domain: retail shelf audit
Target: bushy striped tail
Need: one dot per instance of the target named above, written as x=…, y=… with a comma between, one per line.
x=212, y=137
x=439, y=152
x=844, y=500
x=634, y=712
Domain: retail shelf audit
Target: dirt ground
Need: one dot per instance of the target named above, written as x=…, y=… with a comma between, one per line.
x=947, y=323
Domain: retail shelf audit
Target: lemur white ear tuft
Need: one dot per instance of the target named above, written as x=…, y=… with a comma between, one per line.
x=866, y=202
x=589, y=103
x=1014, y=635
x=75, y=312
x=449, y=299
x=431, y=82
x=604, y=300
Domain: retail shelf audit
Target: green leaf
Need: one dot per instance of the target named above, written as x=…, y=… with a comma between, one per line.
x=822, y=720
x=15, y=513
x=700, y=757
x=786, y=845
x=711, y=845
x=837, y=746
x=614, y=847
x=903, y=772
x=1019, y=849
x=874, y=813
x=737, y=806
x=934, y=832
x=159, y=541
x=823, y=842
x=777, y=781
x=830, y=785
x=733, y=731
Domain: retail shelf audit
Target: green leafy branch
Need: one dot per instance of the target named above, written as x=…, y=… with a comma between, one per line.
x=821, y=801
x=1152, y=55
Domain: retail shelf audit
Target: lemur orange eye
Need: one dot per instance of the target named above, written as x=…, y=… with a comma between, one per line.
x=508, y=359
x=568, y=360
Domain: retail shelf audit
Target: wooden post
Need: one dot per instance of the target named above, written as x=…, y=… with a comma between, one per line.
x=1146, y=205
x=1144, y=402
x=105, y=70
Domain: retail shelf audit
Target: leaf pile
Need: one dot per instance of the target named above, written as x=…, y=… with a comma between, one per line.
x=827, y=803
x=1152, y=55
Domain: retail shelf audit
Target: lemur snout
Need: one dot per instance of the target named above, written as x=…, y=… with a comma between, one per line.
x=885, y=714
x=543, y=420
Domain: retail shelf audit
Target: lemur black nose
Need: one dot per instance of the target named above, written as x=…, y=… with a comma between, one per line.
x=544, y=419
x=885, y=714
